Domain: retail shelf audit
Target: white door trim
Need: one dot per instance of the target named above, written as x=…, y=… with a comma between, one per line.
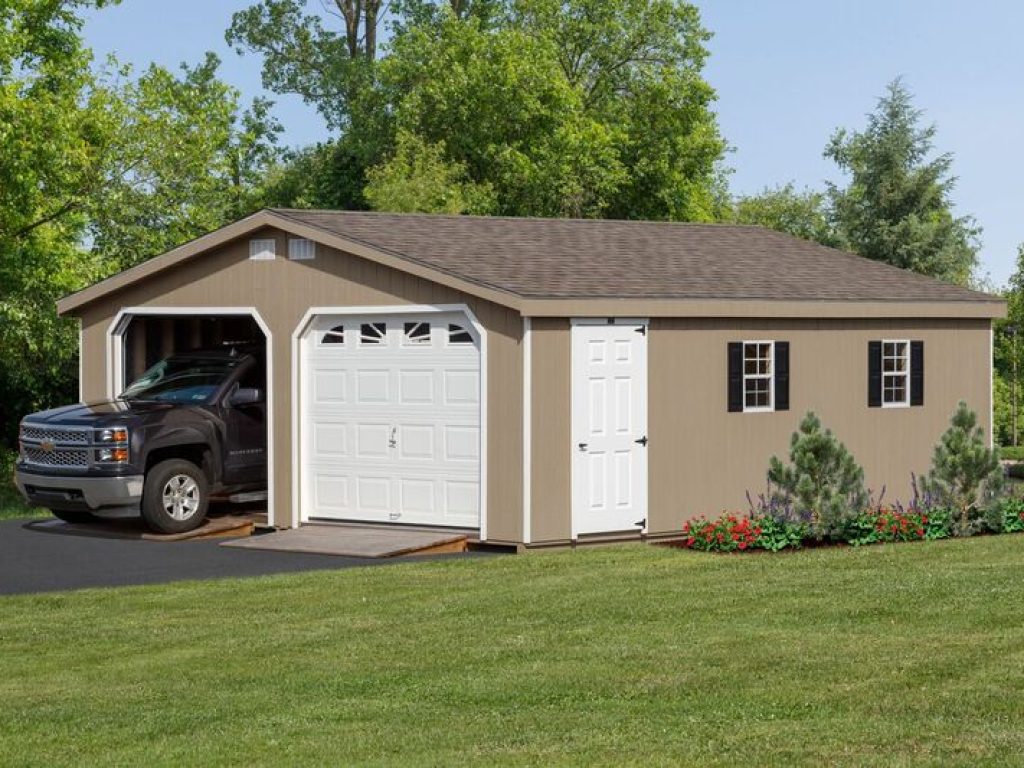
x=574, y=425
x=115, y=365
x=298, y=409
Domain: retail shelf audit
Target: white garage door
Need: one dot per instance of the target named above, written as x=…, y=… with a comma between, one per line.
x=391, y=419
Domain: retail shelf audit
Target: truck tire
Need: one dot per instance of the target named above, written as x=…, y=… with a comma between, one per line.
x=73, y=516
x=175, y=496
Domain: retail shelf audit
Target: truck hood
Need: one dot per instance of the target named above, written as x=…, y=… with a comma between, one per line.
x=100, y=412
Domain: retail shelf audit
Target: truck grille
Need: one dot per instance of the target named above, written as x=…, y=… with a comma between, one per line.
x=55, y=434
x=58, y=457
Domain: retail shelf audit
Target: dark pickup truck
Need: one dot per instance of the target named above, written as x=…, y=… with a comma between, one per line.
x=192, y=428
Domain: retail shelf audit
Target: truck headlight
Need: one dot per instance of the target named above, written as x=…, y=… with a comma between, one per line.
x=112, y=435
x=112, y=455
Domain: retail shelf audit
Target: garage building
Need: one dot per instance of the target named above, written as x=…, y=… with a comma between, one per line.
x=538, y=382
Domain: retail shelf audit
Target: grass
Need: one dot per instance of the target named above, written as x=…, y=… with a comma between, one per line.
x=624, y=655
x=12, y=506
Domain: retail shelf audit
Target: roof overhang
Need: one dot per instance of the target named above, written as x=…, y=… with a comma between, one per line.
x=582, y=306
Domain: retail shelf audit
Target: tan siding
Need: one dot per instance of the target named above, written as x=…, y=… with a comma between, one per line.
x=704, y=459
x=550, y=428
x=282, y=291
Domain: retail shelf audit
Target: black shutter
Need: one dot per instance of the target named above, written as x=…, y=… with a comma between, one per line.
x=917, y=373
x=735, y=376
x=874, y=374
x=781, y=375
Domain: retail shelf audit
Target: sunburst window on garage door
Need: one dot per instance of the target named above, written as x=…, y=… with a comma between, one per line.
x=335, y=335
x=416, y=334
x=373, y=333
x=457, y=334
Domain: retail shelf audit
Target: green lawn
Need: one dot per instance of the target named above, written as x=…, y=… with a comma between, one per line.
x=622, y=655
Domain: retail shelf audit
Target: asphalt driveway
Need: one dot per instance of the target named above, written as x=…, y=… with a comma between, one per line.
x=34, y=558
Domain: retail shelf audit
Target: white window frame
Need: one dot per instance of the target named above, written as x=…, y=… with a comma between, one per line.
x=301, y=249
x=750, y=376
x=263, y=249
x=905, y=403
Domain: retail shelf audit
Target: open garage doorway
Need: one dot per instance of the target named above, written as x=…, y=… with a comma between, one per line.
x=141, y=338
x=148, y=339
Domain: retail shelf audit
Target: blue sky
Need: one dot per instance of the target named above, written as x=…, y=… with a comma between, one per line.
x=787, y=74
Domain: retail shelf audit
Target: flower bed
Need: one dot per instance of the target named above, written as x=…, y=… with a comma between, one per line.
x=739, y=532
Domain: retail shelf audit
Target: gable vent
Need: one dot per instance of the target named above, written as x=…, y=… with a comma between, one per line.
x=300, y=249
x=263, y=250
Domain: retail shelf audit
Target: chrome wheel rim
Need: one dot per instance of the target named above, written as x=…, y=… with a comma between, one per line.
x=181, y=497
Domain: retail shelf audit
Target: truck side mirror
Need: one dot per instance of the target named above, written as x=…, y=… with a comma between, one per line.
x=245, y=396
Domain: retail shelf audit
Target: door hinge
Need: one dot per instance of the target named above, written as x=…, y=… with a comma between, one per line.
x=583, y=447
x=642, y=330
x=642, y=441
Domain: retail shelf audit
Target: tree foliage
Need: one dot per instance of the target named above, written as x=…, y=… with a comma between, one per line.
x=803, y=214
x=964, y=469
x=98, y=171
x=418, y=179
x=583, y=108
x=897, y=206
x=822, y=480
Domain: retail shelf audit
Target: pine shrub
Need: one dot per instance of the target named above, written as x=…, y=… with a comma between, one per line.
x=822, y=481
x=965, y=471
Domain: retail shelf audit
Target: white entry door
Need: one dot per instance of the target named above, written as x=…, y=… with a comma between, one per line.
x=609, y=426
x=390, y=419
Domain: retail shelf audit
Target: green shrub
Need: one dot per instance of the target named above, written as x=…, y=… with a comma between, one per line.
x=964, y=470
x=1007, y=515
x=1012, y=452
x=822, y=482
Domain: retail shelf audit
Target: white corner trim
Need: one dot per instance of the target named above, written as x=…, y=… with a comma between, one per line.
x=81, y=364
x=115, y=366
x=298, y=410
x=991, y=392
x=527, y=429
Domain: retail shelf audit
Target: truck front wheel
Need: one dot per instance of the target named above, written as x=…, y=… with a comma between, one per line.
x=175, y=496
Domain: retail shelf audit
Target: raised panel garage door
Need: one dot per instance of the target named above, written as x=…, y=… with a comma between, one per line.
x=391, y=419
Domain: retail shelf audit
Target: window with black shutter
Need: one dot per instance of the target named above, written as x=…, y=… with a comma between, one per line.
x=758, y=376
x=895, y=373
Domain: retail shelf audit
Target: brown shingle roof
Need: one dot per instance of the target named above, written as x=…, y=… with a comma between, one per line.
x=571, y=258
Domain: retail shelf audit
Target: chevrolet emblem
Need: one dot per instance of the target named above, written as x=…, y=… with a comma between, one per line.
x=47, y=445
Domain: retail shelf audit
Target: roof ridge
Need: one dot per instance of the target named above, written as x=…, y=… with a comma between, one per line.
x=483, y=217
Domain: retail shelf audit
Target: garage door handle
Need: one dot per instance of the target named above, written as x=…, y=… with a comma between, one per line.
x=391, y=440
x=583, y=447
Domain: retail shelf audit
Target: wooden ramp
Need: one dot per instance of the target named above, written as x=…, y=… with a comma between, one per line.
x=220, y=526
x=356, y=541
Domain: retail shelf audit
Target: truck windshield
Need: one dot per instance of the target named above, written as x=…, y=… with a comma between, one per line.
x=181, y=380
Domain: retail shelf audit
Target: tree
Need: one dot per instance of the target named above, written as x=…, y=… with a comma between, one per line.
x=54, y=129
x=418, y=179
x=184, y=158
x=822, y=481
x=897, y=206
x=963, y=469
x=99, y=171
x=583, y=108
x=801, y=214
x=1008, y=355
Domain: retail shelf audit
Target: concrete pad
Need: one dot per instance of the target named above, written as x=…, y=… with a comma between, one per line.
x=355, y=541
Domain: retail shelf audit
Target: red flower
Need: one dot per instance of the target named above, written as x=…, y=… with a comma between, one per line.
x=690, y=541
x=743, y=545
